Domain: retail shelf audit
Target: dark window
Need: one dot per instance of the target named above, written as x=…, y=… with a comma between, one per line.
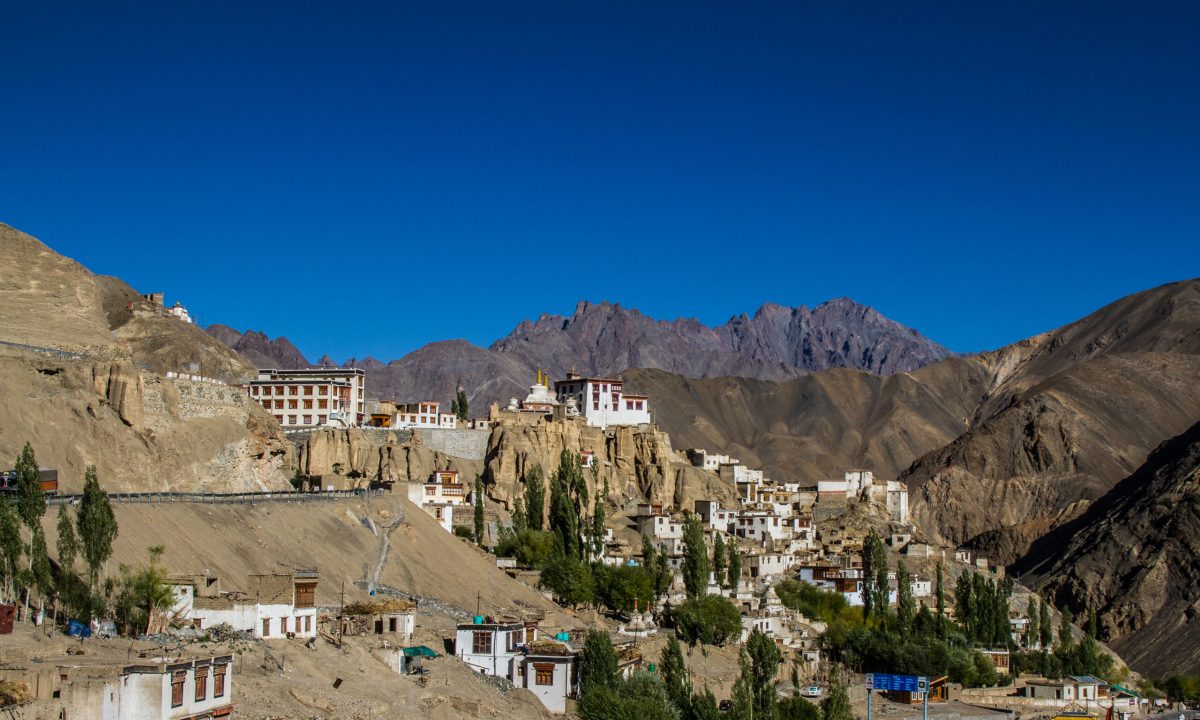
x=481, y=643
x=544, y=673
x=219, y=681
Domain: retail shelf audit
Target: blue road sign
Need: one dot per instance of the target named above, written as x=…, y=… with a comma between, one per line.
x=901, y=683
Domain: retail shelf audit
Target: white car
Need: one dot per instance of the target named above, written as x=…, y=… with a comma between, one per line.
x=812, y=691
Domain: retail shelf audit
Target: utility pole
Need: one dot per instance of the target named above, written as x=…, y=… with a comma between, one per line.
x=342, y=615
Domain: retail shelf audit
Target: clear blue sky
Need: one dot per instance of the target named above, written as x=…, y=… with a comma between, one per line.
x=981, y=171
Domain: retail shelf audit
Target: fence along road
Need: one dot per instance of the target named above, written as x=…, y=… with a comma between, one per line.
x=247, y=497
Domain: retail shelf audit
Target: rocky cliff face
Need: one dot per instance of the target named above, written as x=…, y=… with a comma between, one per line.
x=1134, y=557
x=638, y=464
x=356, y=458
x=1065, y=416
x=98, y=394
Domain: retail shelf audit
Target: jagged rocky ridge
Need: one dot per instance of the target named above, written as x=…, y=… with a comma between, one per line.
x=776, y=343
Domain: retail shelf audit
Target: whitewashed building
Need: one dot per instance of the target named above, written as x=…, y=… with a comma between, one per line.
x=493, y=648
x=273, y=606
x=164, y=690
x=548, y=671
x=603, y=401
x=315, y=397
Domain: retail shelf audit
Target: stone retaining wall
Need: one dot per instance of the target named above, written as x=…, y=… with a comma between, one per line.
x=466, y=444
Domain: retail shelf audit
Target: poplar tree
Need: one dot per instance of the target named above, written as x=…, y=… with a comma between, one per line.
x=675, y=677
x=39, y=563
x=1065, y=638
x=1033, y=633
x=10, y=545
x=875, y=580
x=735, y=566
x=695, y=558
x=535, y=499
x=479, y=510
x=941, y=603
x=598, y=663
x=459, y=405
x=718, y=559
x=905, y=605
x=96, y=524
x=836, y=705
x=66, y=544
x=1046, y=628
x=31, y=501
x=564, y=509
x=764, y=664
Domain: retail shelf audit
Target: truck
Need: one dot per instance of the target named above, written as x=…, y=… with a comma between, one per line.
x=48, y=478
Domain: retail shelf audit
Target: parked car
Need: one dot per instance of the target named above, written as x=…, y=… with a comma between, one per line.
x=812, y=691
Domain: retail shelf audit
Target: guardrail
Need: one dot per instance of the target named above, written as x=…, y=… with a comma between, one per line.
x=247, y=497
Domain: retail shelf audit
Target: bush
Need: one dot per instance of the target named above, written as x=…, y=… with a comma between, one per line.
x=531, y=548
x=710, y=620
x=570, y=579
x=617, y=588
x=465, y=531
x=817, y=604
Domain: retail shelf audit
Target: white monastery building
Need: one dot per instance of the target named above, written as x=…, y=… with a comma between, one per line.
x=274, y=606
x=603, y=401
x=316, y=397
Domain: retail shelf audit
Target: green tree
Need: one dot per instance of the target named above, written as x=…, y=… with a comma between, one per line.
x=531, y=548
x=836, y=705
x=1045, y=627
x=964, y=607
x=67, y=544
x=905, y=605
x=96, y=524
x=941, y=603
x=10, y=546
x=1093, y=624
x=641, y=697
x=143, y=593
x=704, y=706
x=566, y=488
x=1033, y=632
x=570, y=579
x=875, y=593
x=658, y=566
x=598, y=663
x=797, y=708
x=520, y=518
x=598, y=506
x=709, y=620
x=734, y=569
x=31, y=501
x=764, y=664
x=479, y=510
x=459, y=404
x=39, y=570
x=718, y=559
x=1065, y=638
x=743, y=689
x=623, y=588
x=535, y=499
x=675, y=677
x=695, y=558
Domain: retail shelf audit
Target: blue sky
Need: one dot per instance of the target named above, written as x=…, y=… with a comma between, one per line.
x=981, y=171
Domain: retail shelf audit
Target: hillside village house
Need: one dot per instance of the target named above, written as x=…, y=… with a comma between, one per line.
x=316, y=397
x=176, y=690
x=652, y=521
x=603, y=401
x=713, y=516
x=1074, y=690
x=709, y=461
x=442, y=487
x=424, y=414
x=274, y=606
x=548, y=671
x=493, y=648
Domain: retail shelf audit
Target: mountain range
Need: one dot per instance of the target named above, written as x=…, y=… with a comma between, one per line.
x=1072, y=456
x=776, y=343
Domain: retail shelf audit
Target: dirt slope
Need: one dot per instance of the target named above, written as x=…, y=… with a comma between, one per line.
x=1134, y=557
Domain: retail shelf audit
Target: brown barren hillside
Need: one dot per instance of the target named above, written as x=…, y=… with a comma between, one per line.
x=1134, y=557
x=106, y=401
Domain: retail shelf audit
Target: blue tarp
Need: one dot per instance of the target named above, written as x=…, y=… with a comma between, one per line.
x=419, y=651
x=78, y=629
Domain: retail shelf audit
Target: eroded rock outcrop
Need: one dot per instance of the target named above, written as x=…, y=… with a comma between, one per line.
x=355, y=458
